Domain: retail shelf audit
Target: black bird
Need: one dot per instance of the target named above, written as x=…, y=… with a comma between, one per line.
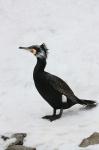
x=51, y=87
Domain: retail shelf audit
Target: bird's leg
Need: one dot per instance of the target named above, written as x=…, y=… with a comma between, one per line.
x=61, y=112
x=54, y=116
x=54, y=112
x=49, y=116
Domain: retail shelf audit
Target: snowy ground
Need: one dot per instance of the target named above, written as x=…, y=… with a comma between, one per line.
x=70, y=28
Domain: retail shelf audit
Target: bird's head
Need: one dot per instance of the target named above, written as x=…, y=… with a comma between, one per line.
x=40, y=51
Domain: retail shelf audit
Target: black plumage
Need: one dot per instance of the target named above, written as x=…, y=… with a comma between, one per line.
x=51, y=87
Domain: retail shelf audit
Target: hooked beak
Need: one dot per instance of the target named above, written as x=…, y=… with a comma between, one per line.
x=32, y=50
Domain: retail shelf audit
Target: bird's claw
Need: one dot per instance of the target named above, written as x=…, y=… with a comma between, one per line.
x=51, y=118
x=46, y=117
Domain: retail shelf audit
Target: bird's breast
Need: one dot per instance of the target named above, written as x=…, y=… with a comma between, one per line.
x=47, y=91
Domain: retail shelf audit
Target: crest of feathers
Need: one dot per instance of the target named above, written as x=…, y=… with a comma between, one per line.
x=44, y=48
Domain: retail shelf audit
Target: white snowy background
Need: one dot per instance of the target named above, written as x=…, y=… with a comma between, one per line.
x=70, y=28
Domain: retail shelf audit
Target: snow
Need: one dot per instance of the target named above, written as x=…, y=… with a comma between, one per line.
x=70, y=28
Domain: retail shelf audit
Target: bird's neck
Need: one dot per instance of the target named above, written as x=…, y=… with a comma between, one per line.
x=40, y=66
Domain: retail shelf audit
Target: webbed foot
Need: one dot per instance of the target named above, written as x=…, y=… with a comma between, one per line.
x=52, y=118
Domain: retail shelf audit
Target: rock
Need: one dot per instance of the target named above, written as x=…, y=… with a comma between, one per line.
x=4, y=137
x=18, y=144
x=19, y=147
x=19, y=138
x=91, y=140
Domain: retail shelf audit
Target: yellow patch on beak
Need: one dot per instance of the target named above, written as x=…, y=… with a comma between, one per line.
x=33, y=51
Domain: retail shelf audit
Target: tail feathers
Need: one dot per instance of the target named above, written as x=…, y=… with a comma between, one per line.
x=87, y=102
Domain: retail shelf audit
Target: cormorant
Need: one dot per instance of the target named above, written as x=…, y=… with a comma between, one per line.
x=51, y=87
